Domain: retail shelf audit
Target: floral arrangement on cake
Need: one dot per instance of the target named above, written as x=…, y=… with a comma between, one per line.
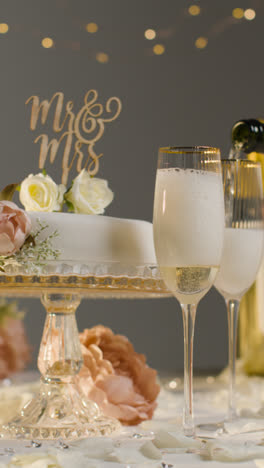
x=86, y=194
x=14, y=347
x=39, y=193
x=116, y=377
x=18, y=244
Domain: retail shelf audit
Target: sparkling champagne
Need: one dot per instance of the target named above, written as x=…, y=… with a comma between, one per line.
x=189, y=284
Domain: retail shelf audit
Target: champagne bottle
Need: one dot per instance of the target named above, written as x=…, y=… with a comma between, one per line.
x=248, y=136
x=248, y=142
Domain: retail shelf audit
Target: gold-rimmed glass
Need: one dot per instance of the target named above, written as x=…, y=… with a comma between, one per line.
x=188, y=236
x=243, y=248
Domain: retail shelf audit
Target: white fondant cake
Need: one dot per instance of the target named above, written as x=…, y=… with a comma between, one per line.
x=93, y=238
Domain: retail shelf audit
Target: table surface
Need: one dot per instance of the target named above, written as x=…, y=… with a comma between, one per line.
x=158, y=443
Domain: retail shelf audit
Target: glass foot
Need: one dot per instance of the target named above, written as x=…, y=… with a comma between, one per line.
x=215, y=429
x=59, y=411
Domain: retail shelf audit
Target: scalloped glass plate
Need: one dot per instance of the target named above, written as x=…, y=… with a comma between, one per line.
x=96, y=279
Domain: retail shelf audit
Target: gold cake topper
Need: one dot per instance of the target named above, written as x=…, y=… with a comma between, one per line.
x=79, y=131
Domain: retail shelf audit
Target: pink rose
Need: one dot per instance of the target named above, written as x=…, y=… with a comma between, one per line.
x=15, y=226
x=116, y=377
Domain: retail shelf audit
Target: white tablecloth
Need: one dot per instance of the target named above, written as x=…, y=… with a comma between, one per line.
x=158, y=443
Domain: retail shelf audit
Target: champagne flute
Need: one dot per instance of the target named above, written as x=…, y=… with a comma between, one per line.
x=243, y=248
x=188, y=237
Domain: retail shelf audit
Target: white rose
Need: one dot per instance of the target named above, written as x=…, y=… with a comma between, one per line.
x=40, y=193
x=89, y=195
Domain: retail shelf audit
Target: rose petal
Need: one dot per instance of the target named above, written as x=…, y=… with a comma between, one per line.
x=19, y=238
x=7, y=227
x=24, y=222
x=119, y=389
x=6, y=245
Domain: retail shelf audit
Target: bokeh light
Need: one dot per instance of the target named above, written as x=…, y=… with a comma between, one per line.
x=47, y=42
x=158, y=49
x=102, y=57
x=249, y=14
x=3, y=28
x=201, y=42
x=150, y=34
x=92, y=28
x=194, y=10
x=238, y=13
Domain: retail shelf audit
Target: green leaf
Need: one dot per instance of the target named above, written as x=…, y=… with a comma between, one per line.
x=69, y=205
x=8, y=192
x=44, y=172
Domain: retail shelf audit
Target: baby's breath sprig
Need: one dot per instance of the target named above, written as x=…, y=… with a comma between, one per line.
x=34, y=253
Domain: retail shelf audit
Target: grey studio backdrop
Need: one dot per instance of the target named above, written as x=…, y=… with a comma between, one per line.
x=184, y=97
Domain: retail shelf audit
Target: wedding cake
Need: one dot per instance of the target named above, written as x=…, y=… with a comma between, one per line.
x=96, y=238
x=86, y=235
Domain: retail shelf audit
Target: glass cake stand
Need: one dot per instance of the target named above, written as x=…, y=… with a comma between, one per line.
x=59, y=410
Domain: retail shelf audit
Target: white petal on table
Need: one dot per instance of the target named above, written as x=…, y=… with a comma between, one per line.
x=230, y=451
x=98, y=448
x=127, y=451
x=164, y=440
x=150, y=451
x=76, y=460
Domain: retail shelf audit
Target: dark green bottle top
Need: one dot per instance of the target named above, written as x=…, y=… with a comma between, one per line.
x=248, y=136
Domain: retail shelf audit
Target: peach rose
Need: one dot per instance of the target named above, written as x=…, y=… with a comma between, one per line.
x=14, y=348
x=15, y=226
x=116, y=377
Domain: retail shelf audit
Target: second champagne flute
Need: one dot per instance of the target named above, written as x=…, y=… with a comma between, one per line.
x=243, y=248
x=188, y=236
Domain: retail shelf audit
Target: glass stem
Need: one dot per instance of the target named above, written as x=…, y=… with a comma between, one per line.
x=232, y=317
x=188, y=314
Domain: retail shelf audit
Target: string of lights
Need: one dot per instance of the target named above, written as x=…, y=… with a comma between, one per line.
x=201, y=42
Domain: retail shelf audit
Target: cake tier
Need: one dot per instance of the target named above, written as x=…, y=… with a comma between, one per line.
x=93, y=238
